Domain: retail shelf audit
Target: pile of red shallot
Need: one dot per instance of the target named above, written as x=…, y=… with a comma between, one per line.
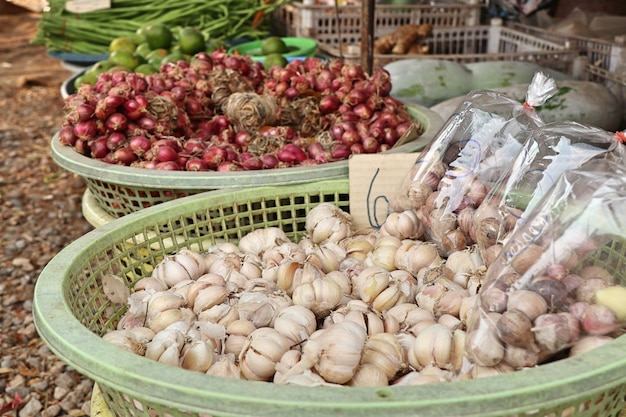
x=223, y=112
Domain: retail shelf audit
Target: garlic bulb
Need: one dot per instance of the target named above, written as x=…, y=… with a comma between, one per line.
x=412, y=256
x=368, y=375
x=260, y=240
x=385, y=352
x=339, y=348
x=403, y=225
x=296, y=323
x=238, y=332
x=320, y=296
x=197, y=355
x=433, y=346
x=328, y=223
x=225, y=366
x=179, y=267
x=259, y=355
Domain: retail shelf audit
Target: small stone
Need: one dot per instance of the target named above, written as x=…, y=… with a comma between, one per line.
x=51, y=411
x=71, y=400
x=23, y=263
x=41, y=385
x=31, y=409
x=65, y=380
x=60, y=393
x=76, y=412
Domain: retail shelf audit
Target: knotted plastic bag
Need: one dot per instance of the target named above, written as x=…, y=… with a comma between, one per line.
x=557, y=287
x=550, y=150
x=466, y=158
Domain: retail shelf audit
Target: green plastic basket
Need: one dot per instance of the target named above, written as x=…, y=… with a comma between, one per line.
x=71, y=312
x=120, y=190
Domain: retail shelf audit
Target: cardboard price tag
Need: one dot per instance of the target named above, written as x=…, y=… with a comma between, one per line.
x=374, y=180
x=84, y=6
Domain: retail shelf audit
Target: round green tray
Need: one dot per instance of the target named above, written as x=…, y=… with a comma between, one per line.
x=120, y=190
x=71, y=312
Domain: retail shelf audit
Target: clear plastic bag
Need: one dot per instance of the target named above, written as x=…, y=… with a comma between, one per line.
x=550, y=150
x=466, y=158
x=557, y=287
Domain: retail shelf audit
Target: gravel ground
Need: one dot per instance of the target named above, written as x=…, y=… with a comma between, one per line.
x=40, y=214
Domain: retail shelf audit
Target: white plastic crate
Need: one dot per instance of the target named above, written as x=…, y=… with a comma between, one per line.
x=609, y=55
x=494, y=42
x=341, y=25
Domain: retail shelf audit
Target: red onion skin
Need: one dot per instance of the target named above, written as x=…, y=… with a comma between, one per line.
x=340, y=151
x=291, y=154
x=252, y=163
x=269, y=161
x=167, y=166
x=115, y=140
x=370, y=145
x=85, y=130
x=166, y=153
x=329, y=104
x=214, y=156
x=242, y=139
x=116, y=122
x=99, y=148
x=228, y=166
x=67, y=136
x=350, y=138
x=196, y=164
x=124, y=156
x=139, y=144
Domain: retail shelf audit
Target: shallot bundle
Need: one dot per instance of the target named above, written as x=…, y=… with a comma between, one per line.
x=224, y=112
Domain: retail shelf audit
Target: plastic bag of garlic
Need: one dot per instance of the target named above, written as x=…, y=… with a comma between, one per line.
x=557, y=287
x=466, y=158
x=549, y=151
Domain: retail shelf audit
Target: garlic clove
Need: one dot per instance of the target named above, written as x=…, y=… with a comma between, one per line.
x=432, y=347
x=385, y=352
x=483, y=346
x=368, y=375
x=296, y=323
x=197, y=356
x=224, y=367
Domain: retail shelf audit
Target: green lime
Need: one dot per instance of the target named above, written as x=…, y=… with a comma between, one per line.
x=155, y=62
x=157, y=53
x=158, y=35
x=272, y=60
x=174, y=57
x=191, y=41
x=143, y=49
x=146, y=69
x=215, y=44
x=120, y=68
x=87, y=77
x=273, y=45
x=122, y=44
x=124, y=58
x=101, y=66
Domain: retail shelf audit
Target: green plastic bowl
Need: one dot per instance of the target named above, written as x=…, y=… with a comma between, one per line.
x=297, y=47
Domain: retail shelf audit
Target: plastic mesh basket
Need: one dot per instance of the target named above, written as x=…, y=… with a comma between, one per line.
x=71, y=312
x=343, y=26
x=120, y=190
x=465, y=44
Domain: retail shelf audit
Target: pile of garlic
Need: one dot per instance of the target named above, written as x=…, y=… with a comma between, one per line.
x=340, y=307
